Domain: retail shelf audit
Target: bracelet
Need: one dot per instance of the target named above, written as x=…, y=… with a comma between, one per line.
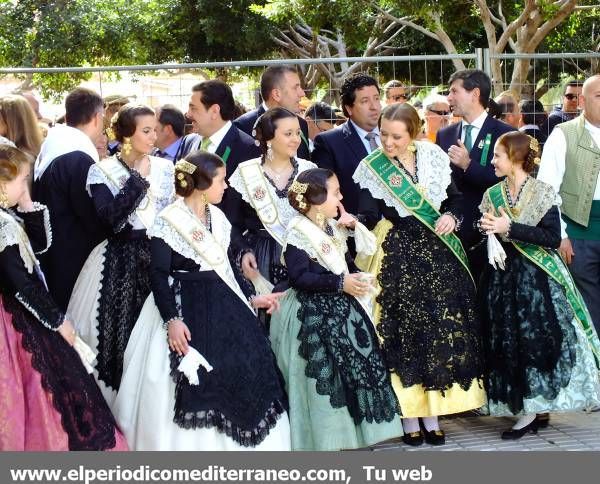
x=457, y=221
x=166, y=323
x=341, y=283
x=507, y=233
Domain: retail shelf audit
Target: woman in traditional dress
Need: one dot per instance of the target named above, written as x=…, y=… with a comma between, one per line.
x=49, y=401
x=425, y=310
x=541, y=348
x=199, y=371
x=257, y=203
x=338, y=386
x=128, y=190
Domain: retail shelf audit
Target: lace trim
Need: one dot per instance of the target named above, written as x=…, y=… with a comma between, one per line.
x=12, y=233
x=434, y=171
x=52, y=327
x=163, y=230
x=37, y=207
x=284, y=209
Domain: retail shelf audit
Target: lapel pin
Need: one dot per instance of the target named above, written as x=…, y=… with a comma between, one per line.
x=480, y=145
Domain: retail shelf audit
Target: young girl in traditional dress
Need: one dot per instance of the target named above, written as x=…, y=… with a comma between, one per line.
x=128, y=190
x=257, y=202
x=541, y=349
x=199, y=371
x=338, y=385
x=49, y=401
x=425, y=310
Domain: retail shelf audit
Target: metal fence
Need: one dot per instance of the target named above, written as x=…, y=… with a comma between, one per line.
x=156, y=85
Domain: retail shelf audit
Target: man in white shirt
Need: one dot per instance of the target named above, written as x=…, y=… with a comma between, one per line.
x=571, y=164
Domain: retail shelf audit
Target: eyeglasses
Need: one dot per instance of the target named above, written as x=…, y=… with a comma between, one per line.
x=571, y=96
x=439, y=113
x=398, y=97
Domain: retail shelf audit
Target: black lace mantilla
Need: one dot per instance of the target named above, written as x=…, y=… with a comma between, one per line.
x=125, y=287
x=340, y=346
x=431, y=333
x=85, y=417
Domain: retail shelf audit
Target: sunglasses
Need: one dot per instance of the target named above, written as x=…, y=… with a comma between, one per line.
x=439, y=113
x=570, y=96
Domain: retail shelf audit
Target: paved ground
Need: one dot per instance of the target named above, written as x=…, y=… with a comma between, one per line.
x=572, y=431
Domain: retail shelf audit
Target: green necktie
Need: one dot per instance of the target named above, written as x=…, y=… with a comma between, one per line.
x=468, y=139
x=205, y=144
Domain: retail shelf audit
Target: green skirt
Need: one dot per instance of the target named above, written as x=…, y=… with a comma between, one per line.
x=340, y=394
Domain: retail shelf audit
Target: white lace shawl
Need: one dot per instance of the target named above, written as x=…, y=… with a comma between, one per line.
x=221, y=230
x=284, y=209
x=433, y=170
x=161, y=179
x=12, y=233
x=536, y=199
x=300, y=241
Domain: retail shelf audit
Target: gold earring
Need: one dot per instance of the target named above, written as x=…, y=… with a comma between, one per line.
x=320, y=218
x=126, y=147
x=203, y=198
x=3, y=198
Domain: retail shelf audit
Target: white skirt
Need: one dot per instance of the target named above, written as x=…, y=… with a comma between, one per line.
x=144, y=406
x=83, y=307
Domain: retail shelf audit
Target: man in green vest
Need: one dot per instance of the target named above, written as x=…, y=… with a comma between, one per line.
x=571, y=164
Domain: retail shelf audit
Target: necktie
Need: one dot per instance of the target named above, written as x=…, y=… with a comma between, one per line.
x=468, y=138
x=371, y=138
x=205, y=144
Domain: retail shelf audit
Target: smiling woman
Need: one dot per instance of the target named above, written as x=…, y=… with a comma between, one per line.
x=128, y=190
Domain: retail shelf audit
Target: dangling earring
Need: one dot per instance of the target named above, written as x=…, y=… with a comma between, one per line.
x=126, y=147
x=269, y=152
x=411, y=148
x=3, y=198
x=203, y=198
x=320, y=218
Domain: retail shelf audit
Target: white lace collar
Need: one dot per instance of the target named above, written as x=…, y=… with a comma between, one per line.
x=433, y=171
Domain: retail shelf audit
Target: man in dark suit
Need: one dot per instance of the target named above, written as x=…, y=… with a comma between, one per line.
x=211, y=109
x=279, y=86
x=470, y=146
x=169, y=131
x=60, y=178
x=342, y=148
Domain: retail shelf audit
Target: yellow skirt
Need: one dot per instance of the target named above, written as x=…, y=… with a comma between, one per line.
x=415, y=401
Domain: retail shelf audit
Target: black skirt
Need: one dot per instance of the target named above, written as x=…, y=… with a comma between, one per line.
x=430, y=329
x=243, y=395
x=125, y=287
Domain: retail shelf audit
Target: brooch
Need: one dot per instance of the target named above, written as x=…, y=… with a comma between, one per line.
x=259, y=193
x=198, y=235
x=395, y=180
x=325, y=248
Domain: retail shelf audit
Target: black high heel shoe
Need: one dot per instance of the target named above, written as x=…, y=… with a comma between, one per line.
x=543, y=420
x=515, y=434
x=433, y=437
x=413, y=439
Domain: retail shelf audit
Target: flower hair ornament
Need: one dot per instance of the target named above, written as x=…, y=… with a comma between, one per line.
x=299, y=189
x=534, y=145
x=185, y=167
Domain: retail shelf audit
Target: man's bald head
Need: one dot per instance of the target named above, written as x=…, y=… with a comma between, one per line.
x=591, y=100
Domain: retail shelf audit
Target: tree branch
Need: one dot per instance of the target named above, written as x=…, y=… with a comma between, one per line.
x=512, y=28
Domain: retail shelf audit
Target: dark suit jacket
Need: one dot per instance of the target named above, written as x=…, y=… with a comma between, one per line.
x=76, y=227
x=241, y=148
x=247, y=121
x=341, y=150
x=478, y=177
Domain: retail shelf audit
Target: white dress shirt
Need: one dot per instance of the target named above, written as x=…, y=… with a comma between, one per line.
x=477, y=125
x=362, y=135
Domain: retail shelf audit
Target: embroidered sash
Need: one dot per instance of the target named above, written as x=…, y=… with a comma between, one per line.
x=206, y=244
x=329, y=252
x=117, y=174
x=411, y=198
x=261, y=199
x=553, y=266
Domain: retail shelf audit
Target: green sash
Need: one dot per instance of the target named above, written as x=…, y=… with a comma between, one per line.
x=394, y=179
x=553, y=265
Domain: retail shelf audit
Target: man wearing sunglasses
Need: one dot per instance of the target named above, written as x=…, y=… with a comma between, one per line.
x=570, y=108
x=437, y=114
x=395, y=92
